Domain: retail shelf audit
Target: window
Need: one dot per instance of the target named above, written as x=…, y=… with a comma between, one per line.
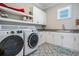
x=64, y=13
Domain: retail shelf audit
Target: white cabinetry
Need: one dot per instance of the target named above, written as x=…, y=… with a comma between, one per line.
x=50, y=37
x=68, y=40
x=58, y=39
x=65, y=40
x=76, y=42
x=42, y=37
x=39, y=16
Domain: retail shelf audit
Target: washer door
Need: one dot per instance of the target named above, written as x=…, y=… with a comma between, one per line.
x=32, y=40
x=11, y=45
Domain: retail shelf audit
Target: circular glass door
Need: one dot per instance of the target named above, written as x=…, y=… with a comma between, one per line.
x=11, y=45
x=32, y=40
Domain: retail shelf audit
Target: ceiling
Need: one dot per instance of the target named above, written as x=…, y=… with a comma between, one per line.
x=45, y=6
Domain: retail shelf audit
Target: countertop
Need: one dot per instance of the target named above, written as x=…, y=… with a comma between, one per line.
x=61, y=30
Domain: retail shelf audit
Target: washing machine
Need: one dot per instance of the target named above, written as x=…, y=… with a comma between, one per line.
x=31, y=41
x=11, y=43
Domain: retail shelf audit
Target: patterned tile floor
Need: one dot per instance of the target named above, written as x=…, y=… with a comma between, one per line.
x=51, y=50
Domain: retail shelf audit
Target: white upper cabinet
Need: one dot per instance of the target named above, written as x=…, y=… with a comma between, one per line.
x=39, y=16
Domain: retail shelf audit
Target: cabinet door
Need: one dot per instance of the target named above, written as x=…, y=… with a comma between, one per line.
x=57, y=39
x=50, y=37
x=45, y=36
x=68, y=40
x=35, y=15
x=39, y=17
x=41, y=37
x=43, y=17
x=76, y=42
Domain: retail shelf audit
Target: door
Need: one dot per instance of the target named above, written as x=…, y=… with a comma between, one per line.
x=39, y=16
x=41, y=37
x=36, y=15
x=50, y=37
x=76, y=42
x=33, y=40
x=43, y=18
x=58, y=39
x=11, y=45
x=68, y=40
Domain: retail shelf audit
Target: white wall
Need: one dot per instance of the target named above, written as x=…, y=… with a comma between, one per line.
x=54, y=23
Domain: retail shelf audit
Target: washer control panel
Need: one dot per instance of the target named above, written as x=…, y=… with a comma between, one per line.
x=13, y=32
x=19, y=31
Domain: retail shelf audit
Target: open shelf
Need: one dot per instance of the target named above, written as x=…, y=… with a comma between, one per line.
x=13, y=20
x=18, y=21
x=14, y=12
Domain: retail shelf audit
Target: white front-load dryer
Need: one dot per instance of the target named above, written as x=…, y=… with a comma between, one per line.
x=31, y=41
x=11, y=43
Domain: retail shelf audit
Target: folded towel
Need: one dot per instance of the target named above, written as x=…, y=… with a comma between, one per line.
x=17, y=9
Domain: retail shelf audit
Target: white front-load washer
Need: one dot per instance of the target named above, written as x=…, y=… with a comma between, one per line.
x=11, y=43
x=31, y=41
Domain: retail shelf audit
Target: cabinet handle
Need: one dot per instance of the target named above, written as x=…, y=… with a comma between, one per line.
x=74, y=38
x=40, y=35
x=62, y=37
x=37, y=22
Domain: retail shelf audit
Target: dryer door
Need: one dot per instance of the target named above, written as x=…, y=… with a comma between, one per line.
x=32, y=40
x=11, y=45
